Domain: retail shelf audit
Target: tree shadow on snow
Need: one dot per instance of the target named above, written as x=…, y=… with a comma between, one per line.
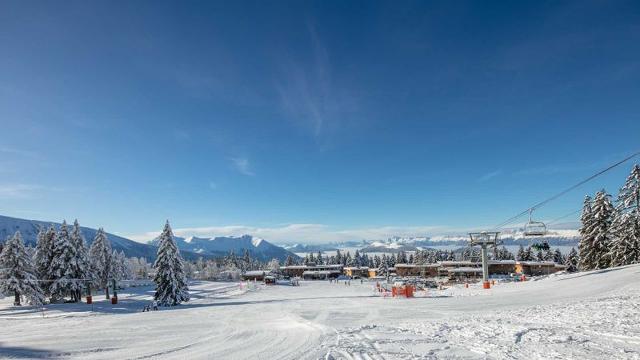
x=266, y=301
x=20, y=352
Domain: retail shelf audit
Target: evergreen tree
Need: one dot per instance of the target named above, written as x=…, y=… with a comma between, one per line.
x=625, y=246
x=289, y=261
x=246, y=261
x=521, y=255
x=548, y=255
x=347, y=260
x=338, y=257
x=572, y=261
x=118, y=266
x=17, y=272
x=598, y=256
x=80, y=264
x=528, y=254
x=319, y=259
x=43, y=258
x=62, y=270
x=558, y=258
x=171, y=284
x=586, y=239
x=100, y=258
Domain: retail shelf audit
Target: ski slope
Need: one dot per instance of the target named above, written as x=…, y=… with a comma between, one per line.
x=594, y=315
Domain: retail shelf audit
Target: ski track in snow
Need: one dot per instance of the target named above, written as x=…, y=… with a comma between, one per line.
x=578, y=316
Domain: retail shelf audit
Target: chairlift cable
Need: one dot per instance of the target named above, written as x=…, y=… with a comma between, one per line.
x=563, y=216
x=554, y=197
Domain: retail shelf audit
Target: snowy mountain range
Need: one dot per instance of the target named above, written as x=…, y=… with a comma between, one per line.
x=508, y=237
x=221, y=246
x=332, y=246
x=555, y=237
x=29, y=231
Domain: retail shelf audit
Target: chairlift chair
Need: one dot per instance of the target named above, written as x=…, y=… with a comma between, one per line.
x=536, y=229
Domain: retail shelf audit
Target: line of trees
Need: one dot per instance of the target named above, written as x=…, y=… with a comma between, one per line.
x=610, y=231
x=61, y=267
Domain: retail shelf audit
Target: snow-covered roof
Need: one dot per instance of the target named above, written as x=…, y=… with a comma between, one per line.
x=465, y=269
x=537, y=263
x=356, y=268
x=502, y=262
x=458, y=263
x=320, y=272
x=311, y=267
x=255, y=272
x=416, y=265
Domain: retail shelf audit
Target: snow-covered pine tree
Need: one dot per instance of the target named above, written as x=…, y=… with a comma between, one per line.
x=600, y=231
x=17, y=272
x=288, y=261
x=356, y=261
x=528, y=254
x=246, y=260
x=119, y=267
x=64, y=254
x=171, y=284
x=80, y=264
x=558, y=258
x=548, y=255
x=520, y=256
x=586, y=239
x=43, y=258
x=100, y=259
x=625, y=245
x=572, y=261
x=347, y=260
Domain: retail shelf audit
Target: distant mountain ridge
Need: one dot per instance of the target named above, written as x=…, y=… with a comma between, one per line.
x=29, y=231
x=508, y=237
x=221, y=246
x=555, y=237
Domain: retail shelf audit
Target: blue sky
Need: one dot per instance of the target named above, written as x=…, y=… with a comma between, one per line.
x=312, y=121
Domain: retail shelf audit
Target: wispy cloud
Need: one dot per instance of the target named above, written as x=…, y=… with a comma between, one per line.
x=489, y=176
x=17, y=191
x=213, y=185
x=243, y=165
x=308, y=93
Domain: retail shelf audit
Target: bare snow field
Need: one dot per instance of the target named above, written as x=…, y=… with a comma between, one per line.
x=593, y=315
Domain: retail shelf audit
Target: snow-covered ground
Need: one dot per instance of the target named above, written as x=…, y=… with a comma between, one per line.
x=593, y=315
